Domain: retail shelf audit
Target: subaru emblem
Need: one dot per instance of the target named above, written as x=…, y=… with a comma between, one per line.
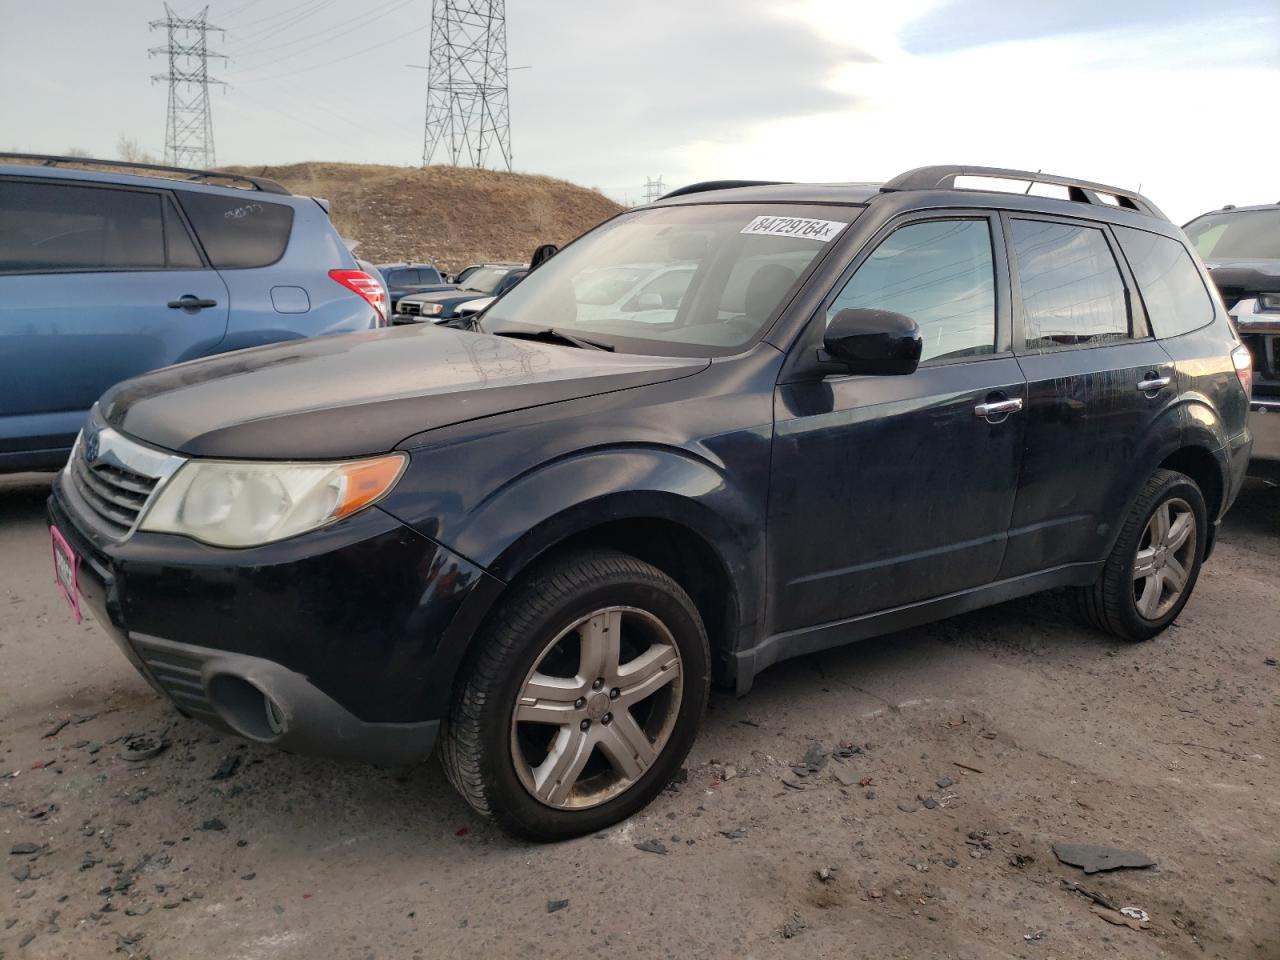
x=91, y=446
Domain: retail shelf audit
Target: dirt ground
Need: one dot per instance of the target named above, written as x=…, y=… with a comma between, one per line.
x=980, y=742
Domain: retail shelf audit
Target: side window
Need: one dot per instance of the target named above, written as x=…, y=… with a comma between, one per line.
x=429, y=275
x=48, y=226
x=1171, y=287
x=939, y=273
x=1072, y=292
x=239, y=231
x=179, y=248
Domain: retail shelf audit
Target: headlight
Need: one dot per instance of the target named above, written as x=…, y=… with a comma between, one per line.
x=1269, y=301
x=244, y=504
x=433, y=309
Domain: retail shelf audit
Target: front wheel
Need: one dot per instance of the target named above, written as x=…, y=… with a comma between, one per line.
x=583, y=698
x=1154, y=565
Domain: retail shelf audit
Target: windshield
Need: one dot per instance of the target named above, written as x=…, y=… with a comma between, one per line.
x=485, y=279
x=1237, y=235
x=698, y=280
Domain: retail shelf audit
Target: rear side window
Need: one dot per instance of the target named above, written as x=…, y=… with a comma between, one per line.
x=52, y=227
x=941, y=275
x=1072, y=292
x=1176, y=298
x=239, y=232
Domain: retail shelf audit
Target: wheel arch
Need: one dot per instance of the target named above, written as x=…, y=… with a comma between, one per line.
x=680, y=537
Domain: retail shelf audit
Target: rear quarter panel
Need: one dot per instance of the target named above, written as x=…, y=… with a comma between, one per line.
x=314, y=249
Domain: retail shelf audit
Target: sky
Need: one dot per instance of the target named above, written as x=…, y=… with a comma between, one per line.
x=1176, y=97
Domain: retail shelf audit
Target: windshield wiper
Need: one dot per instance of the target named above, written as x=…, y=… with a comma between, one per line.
x=557, y=336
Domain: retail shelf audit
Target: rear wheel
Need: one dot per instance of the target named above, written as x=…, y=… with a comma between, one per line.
x=1154, y=565
x=583, y=698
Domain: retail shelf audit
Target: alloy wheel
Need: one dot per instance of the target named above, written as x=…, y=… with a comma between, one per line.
x=1164, y=559
x=596, y=708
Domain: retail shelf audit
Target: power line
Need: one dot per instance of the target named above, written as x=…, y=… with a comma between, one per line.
x=468, y=115
x=188, y=132
x=330, y=33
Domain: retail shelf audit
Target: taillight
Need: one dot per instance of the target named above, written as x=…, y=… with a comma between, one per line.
x=367, y=287
x=1243, y=361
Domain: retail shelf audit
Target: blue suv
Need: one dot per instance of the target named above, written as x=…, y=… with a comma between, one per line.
x=105, y=275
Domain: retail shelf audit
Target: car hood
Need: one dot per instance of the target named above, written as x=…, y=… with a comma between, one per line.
x=362, y=393
x=451, y=295
x=1245, y=276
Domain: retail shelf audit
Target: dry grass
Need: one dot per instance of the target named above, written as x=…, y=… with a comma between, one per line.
x=448, y=215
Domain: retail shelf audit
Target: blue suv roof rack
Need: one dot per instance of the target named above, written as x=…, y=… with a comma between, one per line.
x=943, y=177
x=237, y=179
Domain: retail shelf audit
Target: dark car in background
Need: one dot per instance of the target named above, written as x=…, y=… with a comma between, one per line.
x=1241, y=247
x=404, y=279
x=106, y=273
x=541, y=538
x=488, y=281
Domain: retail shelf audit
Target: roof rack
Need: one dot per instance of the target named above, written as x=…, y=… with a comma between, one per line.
x=50, y=160
x=1082, y=191
x=708, y=185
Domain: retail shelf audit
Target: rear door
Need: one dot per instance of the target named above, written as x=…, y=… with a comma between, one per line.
x=1096, y=379
x=98, y=283
x=890, y=490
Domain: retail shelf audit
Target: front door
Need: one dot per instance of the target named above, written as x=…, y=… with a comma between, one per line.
x=890, y=490
x=1096, y=382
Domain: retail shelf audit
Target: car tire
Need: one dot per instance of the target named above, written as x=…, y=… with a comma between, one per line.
x=1154, y=565
x=578, y=765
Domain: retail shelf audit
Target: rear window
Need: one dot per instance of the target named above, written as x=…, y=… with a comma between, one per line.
x=239, y=232
x=1176, y=298
x=48, y=226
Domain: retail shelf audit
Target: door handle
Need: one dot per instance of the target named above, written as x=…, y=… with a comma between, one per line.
x=191, y=302
x=998, y=408
x=1156, y=383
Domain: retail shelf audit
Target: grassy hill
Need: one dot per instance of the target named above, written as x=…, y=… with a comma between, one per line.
x=448, y=215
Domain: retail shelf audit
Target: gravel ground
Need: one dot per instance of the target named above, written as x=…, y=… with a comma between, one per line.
x=972, y=746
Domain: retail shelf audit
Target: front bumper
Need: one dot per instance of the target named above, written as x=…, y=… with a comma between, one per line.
x=342, y=642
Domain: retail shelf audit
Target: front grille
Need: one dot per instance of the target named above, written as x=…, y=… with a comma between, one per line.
x=115, y=495
x=179, y=676
x=110, y=479
x=409, y=309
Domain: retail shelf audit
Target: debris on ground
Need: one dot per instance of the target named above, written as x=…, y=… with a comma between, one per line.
x=1089, y=894
x=22, y=849
x=213, y=824
x=824, y=873
x=815, y=758
x=1036, y=935
x=56, y=728
x=737, y=833
x=651, y=846
x=143, y=747
x=227, y=768
x=1092, y=859
x=792, y=926
x=1120, y=919
x=846, y=774
x=554, y=906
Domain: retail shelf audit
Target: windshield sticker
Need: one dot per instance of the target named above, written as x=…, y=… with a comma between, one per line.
x=801, y=228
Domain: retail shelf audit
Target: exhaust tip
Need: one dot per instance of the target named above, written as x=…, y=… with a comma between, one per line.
x=248, y=710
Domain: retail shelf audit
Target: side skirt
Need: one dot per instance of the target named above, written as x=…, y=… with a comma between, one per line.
x=796, y=643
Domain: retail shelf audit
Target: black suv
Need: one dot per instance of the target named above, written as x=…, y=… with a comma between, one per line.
x=866, y=407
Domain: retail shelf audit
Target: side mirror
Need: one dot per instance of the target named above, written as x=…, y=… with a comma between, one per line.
x=542, y=254
x=874, y=342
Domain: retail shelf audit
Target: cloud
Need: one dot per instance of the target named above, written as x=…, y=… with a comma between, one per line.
x=620, y=93
x=963, y=24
